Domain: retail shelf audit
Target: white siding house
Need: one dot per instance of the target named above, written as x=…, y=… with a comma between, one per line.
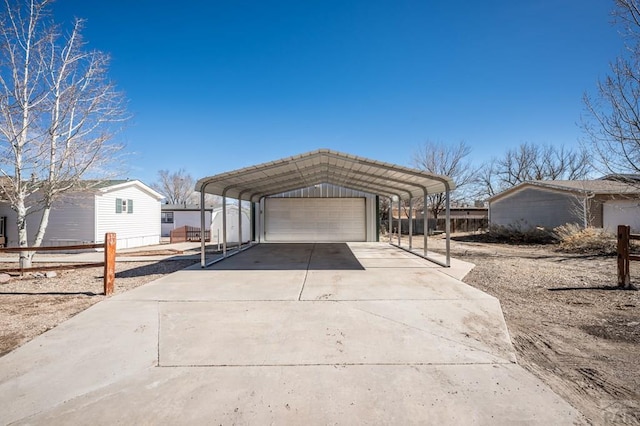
x=129, y=208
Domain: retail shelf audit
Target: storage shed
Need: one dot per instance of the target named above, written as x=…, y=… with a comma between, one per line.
x=233, y=227
x=129, y=208
x=599, y=203
x=320, y=196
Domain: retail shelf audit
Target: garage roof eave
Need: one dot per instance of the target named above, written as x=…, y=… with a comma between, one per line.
x=324, y=166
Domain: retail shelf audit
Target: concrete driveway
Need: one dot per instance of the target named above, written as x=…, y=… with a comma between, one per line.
x=284, y=334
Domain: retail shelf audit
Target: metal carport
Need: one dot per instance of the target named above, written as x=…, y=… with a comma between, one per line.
x=256, y=182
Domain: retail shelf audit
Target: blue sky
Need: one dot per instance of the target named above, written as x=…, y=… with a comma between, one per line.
x=214, y=86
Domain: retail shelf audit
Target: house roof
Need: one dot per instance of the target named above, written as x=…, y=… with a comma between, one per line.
x=97, y=184
x=112, y=185
x=324, y=166
x=596, y=187
x=105, y=186
x=621, y=177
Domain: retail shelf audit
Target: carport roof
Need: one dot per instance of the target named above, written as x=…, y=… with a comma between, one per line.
x=324, y=166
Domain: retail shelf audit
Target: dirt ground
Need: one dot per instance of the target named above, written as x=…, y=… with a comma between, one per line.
x=31, y=305
x=569, y=323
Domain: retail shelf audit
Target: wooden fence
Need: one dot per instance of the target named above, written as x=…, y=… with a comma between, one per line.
x=187, y=233
x=624, y=255
x=109, y=263
x=457, y=225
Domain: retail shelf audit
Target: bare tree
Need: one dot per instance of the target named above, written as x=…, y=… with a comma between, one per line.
x=448, y=160
x=416, y=206
x=612, y=123
x=58, y=113
x=534, y=162
x=177, y=187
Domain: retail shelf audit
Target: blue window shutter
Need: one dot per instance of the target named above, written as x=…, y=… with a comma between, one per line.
x=118, y=205
x=129, y=206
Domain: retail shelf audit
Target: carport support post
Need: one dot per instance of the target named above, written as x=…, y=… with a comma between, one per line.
x=399, y=221
x=203, y=259
x=259, y=221
x=224, y=226
x=239, y=224
x=410, y=223
x=448, y=228
x=425, y=219
x=390, y=224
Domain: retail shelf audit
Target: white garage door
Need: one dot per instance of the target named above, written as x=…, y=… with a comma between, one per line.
x=315, y=219
x=621, y=212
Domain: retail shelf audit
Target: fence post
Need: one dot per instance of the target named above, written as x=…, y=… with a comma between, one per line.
x=624, y=279
x=109, y=262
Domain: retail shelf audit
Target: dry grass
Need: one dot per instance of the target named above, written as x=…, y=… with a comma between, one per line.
x=576, y=239
x=516, y=234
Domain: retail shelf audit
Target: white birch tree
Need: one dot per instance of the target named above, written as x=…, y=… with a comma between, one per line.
x=58, y=113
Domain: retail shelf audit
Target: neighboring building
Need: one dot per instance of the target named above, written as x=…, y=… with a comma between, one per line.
x=601, y=203
x=456, y=213
x=178, y=215
x=131, y=209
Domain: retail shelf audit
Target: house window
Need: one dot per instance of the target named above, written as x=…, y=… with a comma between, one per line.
x=166, y=217
x=124, y=205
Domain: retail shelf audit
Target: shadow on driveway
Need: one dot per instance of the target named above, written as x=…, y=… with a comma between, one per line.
x=291, y=257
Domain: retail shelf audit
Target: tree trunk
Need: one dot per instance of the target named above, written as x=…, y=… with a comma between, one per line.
x=44, y=222
x=21, y=222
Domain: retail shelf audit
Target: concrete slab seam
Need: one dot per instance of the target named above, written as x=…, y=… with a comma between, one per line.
x=340, y=364
x=403, y=267
x=303, y=300
x=428, y=332
x=306, y=273
x=158, y=336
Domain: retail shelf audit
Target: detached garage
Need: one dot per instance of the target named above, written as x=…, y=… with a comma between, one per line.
x=320, y=196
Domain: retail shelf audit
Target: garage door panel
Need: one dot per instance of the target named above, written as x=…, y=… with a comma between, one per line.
x=621, y=212
x=315, y=219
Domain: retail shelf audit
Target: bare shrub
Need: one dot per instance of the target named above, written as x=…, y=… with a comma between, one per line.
x=576, y=239
x=519, y=234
